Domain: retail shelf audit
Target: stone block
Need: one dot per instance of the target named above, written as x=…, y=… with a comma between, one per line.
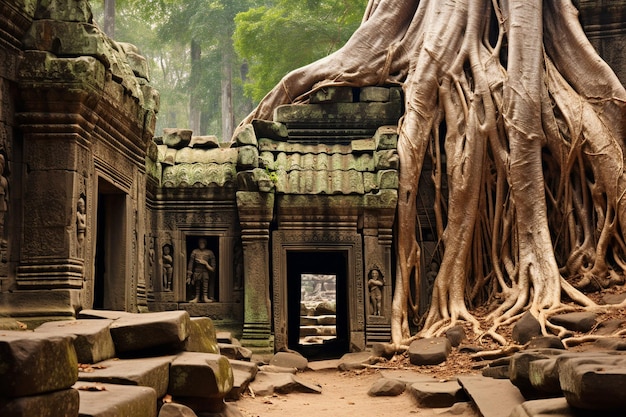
x=202, y=337
x=374, y=94
x=245, y=136
x=332, y=95
x=437, y=394
x=456, y=335
x=234, y=351
x=543, y=375
x=204, y=375
x=62, y=403
x=269, y=130
x=176, y=410
x=519, y=369
x=144, y=372
x=387, y=159
x=265, y=384
x=247, y=158
x=137, y=332
x=363, y=145
x=384, y=387
x=111, y=400
x=339, y=115
x=429, y=351
x=579, y=322
x=102, y=314
x=243, y=373
x=206, y=156
x=526, y=328
x=208, y=142
x=552, y=407
x=93, y=342
x=388, y=179
x=35, y=363
x=594, y=386
x=176, y=138
x=137, y=62
x=386, y=138
x=289, y=360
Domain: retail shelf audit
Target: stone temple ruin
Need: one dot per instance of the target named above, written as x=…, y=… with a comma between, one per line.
x=98, y=213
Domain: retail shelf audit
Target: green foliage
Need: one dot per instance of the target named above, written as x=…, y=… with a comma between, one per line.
x=279, y=36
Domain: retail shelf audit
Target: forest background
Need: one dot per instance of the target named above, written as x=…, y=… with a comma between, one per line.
x=214, y=60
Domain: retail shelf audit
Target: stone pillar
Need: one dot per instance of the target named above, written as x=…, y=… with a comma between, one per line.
x=255, y=213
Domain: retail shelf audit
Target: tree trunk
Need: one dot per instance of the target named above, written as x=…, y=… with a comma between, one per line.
x=109, y=18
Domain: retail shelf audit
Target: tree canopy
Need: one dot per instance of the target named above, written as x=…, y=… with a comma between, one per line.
x=534, y=154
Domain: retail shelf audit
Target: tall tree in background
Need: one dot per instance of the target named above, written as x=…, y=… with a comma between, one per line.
x=531, y=122
x=277, y=36
x=109, y=18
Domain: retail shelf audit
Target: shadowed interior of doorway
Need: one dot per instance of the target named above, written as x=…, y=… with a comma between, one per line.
x=317, y=319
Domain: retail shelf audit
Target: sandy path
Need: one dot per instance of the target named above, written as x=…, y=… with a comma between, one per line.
x=343, y=394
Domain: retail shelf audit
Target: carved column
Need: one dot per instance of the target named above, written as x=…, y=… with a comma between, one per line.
x=255, y=214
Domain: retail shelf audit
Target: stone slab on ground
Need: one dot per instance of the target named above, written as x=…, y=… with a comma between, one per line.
x=62, y=403
x=34, y=363
x=580, y=321
x=138, y=332
x=108, y=400
x=493, y=397
x=203, y=375
x=235, y=351
x=93, y=342
x=145, y=372
x=289, y=360
x=323, y=364
x=437, y=394
x=268, y=383
x=429, y=351
x=354, y=360
x=406, y=376
x=386, y=388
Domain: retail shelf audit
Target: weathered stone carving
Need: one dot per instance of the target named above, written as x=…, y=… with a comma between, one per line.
x=200, y=269
x=81, y=221
x=168, y=267
x=375, y=284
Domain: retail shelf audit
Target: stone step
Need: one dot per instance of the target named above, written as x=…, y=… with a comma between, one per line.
x=108, y=400
x=493, y=397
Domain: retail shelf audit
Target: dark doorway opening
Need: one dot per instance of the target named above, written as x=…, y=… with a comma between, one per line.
x=317, y=280
x=110, y=262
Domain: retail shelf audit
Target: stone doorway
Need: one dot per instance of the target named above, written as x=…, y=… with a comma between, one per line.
x=317, y=295
x=335, y=253
x=110, y=289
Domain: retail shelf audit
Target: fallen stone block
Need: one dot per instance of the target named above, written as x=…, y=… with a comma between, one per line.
x=138, y=332
x=552, y=407
x=407, y=377
x=108, y=400
x=545, y=342
x=493, y=397
x=519, y=369
x=202, y=336
x=526, y=328
x=456, y=335
x=243, y=373
x=145, y=372
x=93, y=342
x=323, y=364
x=202, y=375
x=234, y=351
x=594, y=386
x=289, y=360
x=437, y=394
x=386, y=388
x=354, y=361
x=578, y=322
x=35, y=363
x=429, y=351
x=62, y=403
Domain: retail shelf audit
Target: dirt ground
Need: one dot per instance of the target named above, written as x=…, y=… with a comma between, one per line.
x=343, y=394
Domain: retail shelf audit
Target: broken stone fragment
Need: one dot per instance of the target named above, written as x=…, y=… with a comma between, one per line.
x=289, y=360
x=384, y=387
x=332, y=95
x=526, y=328
x=374, y=94
x=437, y=394
x=578, y=322
x=269, y=130
x=202, y=337
x=209, y=141
x=35, y=363
x=246, y=136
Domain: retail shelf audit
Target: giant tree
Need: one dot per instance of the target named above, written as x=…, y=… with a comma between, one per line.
x=531, y=122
